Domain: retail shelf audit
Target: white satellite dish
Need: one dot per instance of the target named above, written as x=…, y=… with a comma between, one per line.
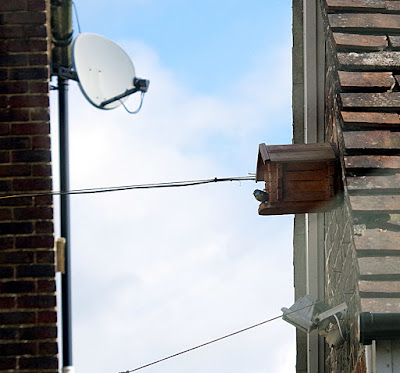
x=105, y=72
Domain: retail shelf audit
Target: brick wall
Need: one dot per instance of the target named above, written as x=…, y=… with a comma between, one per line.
x=28, y=329
x=341, y=269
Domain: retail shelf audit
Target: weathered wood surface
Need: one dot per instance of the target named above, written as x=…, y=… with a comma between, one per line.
x=272, y=171
x=295, y=153
x=360, y=42
x=261, y=170
x=364, y=21
x=299, y=157
x=385, y=183
x=369, y=119
x=362, y=5
x=262, y=158
x=380, y=305
x=263, y=152
x=302, y=207
x=385, y=61
x=386, y=265
x=376, y=203
x=301, y=187
x=323, y=146
x=299, y=147
x=308, y=166
x=379, y=240
x=372, y=161
x=313, y=195
x=379, y=289
x=352, y=79
x=390, y=100
x=372, y=140
x=306, y=175
x=273, y=181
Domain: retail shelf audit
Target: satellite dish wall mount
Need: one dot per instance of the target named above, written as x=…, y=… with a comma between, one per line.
x=306, y=315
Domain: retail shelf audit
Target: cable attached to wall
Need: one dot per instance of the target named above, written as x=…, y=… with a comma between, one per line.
x=76, y=16
x=350, y=292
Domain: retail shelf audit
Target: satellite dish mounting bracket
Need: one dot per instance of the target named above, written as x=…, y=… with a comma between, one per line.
x=141, y=85
x=67, y=73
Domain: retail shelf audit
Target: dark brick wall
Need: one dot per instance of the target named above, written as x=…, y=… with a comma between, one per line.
x=341, y=269
x=28, y=318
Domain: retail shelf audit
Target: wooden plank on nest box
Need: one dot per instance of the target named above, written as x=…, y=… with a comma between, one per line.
x=307, y=166
x=264, y=153
x=273, y=181
x=300, y=207
x=301, y=153
x=295, y=196
x=301, y=156
x=262, y=160
x=305, y=175
x=308, y=186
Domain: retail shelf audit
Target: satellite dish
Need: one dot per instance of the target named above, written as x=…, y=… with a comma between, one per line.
x=105, y=73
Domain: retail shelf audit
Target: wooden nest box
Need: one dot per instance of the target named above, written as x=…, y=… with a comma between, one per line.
x=299, y=178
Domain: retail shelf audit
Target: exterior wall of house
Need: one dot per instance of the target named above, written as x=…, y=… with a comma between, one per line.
x=28, y=317
x=341, y=270
x=361, y=240
x=362, y=117
x=308, y=127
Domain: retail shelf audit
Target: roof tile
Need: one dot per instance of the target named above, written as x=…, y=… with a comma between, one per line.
x=364, y=21
x=376, y=203
x=366, y=38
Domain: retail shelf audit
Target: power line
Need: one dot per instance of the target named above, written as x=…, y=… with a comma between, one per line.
x=204, y=344
x=173, y=184
x=231, y=334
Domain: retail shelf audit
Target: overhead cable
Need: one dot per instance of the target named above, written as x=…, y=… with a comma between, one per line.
x=234, y=333
x=173, y=184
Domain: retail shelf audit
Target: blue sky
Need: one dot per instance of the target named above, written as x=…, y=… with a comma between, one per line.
x=209, y=43
x=156, y=272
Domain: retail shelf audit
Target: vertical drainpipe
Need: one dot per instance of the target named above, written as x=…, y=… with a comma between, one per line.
x=61, y=32
x=65, y=225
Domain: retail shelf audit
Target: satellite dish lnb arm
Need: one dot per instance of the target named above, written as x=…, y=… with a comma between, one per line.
x=141, y=85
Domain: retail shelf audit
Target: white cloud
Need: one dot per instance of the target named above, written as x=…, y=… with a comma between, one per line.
x=158, y=271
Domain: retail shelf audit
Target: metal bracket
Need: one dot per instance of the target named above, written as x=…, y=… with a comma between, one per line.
x=67, y=73
x=341, y=309
x=141, y=85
